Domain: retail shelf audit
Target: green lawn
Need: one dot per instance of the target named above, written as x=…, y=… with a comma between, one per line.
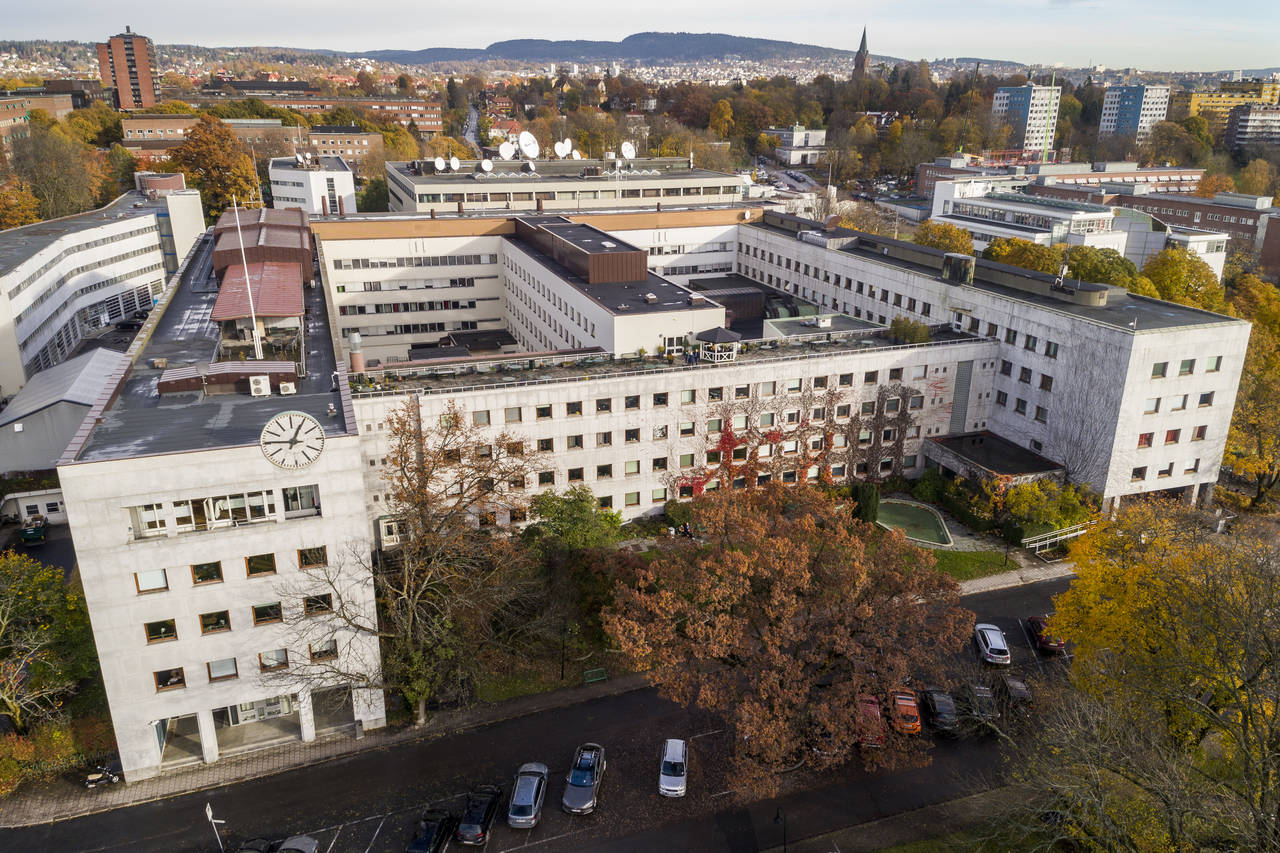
x=967, y=565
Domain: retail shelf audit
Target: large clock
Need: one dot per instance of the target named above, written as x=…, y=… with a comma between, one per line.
x=292, y=440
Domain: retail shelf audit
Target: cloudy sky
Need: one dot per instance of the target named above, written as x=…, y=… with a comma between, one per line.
x=1166, y=35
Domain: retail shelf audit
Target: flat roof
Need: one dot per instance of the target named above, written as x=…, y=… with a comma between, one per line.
x=317, y=163
x=588, y=238
x=505, y=171
x=341, y=128
x=998, y=455
x=141, y=422
x=18, y=244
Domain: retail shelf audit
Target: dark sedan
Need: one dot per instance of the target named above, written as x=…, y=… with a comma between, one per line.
x=434, y=831
x=582, y=792
x=1038, y=626
x=477, y=816
x=939, y=710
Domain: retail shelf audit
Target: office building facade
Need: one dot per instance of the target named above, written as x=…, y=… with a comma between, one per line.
x=1032, y=112
x=127, y=64
x=1133, y=110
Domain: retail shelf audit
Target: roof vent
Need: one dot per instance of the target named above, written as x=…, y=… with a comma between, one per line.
x=651, y=298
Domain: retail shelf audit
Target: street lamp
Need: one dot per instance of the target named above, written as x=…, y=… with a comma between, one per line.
x=780, y=817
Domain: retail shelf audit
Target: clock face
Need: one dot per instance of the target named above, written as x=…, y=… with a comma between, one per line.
x=292, y=440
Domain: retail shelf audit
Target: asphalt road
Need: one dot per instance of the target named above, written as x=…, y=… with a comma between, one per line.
x=368, y=803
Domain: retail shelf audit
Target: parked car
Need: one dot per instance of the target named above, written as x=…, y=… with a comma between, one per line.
x=991, y=644
x=1045, y=642
x=674, y=771
x=869, y=707
x=1014, y=694
x=477, y=815
x=294, y=844
x=527, y=795
x=128, y=324
x=435, y=828
x=35, y=530
x=976, y=703
x=583, y=790
x=904, y=711
x=940, y=710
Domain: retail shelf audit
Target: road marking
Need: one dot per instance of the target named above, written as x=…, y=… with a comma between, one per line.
x=539, y=841
x=335, y=838
x=705, y=734
x=375, y=835
x=722, y=793
x=1026, y=635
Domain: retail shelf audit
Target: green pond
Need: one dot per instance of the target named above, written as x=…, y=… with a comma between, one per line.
x=915, y=520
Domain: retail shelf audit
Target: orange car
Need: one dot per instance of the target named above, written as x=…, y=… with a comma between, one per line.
x=904, y=712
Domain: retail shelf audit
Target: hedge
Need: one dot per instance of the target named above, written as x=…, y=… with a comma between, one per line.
x=52, y=748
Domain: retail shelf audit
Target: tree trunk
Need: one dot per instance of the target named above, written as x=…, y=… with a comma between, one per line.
x=420, y=712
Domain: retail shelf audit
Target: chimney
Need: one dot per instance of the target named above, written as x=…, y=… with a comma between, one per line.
x=357, y=353
x=459, y=207
x=433, y=213
x=539, y=205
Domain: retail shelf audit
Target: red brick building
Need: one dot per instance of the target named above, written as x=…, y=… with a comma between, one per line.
x=127, y=63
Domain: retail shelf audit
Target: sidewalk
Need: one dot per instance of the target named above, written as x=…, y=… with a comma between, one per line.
x=1027, y=572
x=60, y=799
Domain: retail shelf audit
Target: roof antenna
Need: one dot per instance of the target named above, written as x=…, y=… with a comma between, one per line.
x=248, y=285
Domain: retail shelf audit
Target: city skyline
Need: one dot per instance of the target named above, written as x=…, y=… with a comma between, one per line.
x=1061, y=32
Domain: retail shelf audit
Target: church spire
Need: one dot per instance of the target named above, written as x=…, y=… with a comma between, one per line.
x=862, y=48
x=860, y=58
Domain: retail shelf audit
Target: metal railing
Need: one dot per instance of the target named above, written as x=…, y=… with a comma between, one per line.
x=1038, y=543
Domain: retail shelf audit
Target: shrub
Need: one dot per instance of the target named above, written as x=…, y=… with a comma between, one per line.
x=678, y=512
x=867, y=496
x=55, y=748
x=11, y=776
x=929, y=487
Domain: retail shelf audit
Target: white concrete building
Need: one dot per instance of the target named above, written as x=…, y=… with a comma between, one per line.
x=798, y=145
x=1133, y=110
x=320, y=185
x=1032, y=112
x=60, y=280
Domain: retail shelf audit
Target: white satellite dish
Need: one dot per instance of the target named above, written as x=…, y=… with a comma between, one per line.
x=486, y=165
x=568, y=146
x=439, y=164
x=506, y=151
x=453, y=163
x=561, y=150
x=577, y=155
x=298, y=157
x=628, y=151
x=528, y=145
x=530, y=165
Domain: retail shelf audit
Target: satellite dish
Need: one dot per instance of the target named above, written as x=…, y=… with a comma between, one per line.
x=298, y=157
x=561, y=150
x=453, y=163
x=486, y=165
x=506, y=151
x=530, y=165
x=628, y=151
x=439, y=164
x=528, y=145
x=568, y=146
x=577, y=155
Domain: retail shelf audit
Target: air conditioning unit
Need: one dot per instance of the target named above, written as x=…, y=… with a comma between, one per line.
x=288, y=388
x=260, y=386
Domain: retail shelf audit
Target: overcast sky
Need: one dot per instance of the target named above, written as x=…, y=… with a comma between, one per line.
x=1167, y=35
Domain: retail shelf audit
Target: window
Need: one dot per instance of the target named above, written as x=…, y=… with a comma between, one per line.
x=274, y=659
x=215, y=623
x=845, y=380
x=327, y=650
x=869, y=378
x=844, y=410
x=892, y=404
x=170, y=679
x=1139, y=473
x=574, y=408
x=1024, y=375
x=1006, y=368
x=686, y=428
x=1179, y=403
x=300, y=501
x=631, y=499
x=660, y=399
x=713, y=457
x=1151, y=406
x=576, y=475
x=631, y=467
x=147, y=520
x=1192, y=467
x=222, y=670
x=480, y=418
x=159, y=632
x=660, y=495
x=768, y=389
x=260, y=564
x=1046, y=382
x=1042, y=414
x=604, y=404
x=574, y=442
x=1146, y=439
x=1010, y=336
x=688, y=396
x=686, y=460
x=1172, y=436
x=1187, y=367
x=659, y=463
x=659, y=432
x=1213, y=366
x=605, y=502
x=542, y=413
x=715, y=425
x=546, y=445
x=1166, y=471
x=741, y=392
x=206, y=573
x=315, y=604
x=1199, y=433
x=604, y=472
x=1206, y=399
x=546, y=478
x=264, y=614
x=631, y=401
x=1030, y=342
x=604, y=439
x=888, y=435
x=1020, y=406
x=1050, y=349
x=1002, y=398
x=151, y=581
x=632, y=435
x=868, y=407
x=309, y=558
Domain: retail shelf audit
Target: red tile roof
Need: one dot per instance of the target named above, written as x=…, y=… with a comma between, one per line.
x=277, y=292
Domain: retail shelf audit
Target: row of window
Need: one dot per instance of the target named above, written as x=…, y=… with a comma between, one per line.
x=219, y=621
x=1140, y=473
x=426, y=261
x=228, y=669
x=257, y=565
x=406, y=307
x=1020, y=406
x=1186, y=367
x=1177, y=402
x=209, y=513
x=1172, y=436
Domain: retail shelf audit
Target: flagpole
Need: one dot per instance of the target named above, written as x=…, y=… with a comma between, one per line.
x=248, y=285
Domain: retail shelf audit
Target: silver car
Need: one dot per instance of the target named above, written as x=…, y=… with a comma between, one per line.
x=991, y=645
x=582, y=792
x=527, y=795
x=674, y=770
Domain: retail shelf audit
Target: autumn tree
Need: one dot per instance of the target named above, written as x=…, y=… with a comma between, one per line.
x=721, y=120
x=1257, y=178
x=213, y=162
x=1214, y=183
x=45, y=644
x=1176, y=641
x=446, y=147
x=1181, y=276
x=117, y=174
x=1024, y=253
x=781, y=615
x=1253, y=442
x=17, y=206
x=944, y=236
x=61, y=172
x=455, y=598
